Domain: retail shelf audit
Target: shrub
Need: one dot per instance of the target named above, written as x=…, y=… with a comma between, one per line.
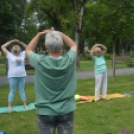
x=131, y=64
x=87, y=57
x=108, y=56
x=2, y=59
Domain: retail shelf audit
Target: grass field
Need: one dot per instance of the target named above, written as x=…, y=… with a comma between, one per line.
x=84, y=66
x=89, y=66
x=90, y=118
x=3, y=70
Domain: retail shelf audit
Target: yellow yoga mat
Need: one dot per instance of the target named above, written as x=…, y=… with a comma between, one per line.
x=109, y=96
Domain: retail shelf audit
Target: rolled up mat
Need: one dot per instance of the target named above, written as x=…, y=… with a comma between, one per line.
x=77, y=98
x=2, y=132
x=84, y=98
x=81, y=98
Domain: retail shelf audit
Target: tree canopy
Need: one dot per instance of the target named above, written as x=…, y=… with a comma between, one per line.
x=99, y=23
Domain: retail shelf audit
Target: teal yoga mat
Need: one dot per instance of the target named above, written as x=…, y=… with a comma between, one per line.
x=31, y=106
x=131, y=92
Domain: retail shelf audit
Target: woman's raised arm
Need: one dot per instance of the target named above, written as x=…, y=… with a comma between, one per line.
x=4, y=47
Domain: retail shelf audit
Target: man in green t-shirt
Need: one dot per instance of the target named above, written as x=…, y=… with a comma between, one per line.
x=55, y=83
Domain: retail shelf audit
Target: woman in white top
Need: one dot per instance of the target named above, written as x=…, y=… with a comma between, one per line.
x=16, y=70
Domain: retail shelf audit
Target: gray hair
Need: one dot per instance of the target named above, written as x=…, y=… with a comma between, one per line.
x=53, y=41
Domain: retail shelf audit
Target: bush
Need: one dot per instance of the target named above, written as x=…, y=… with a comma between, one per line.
x=2, y=59
x=87, y=57
x=82, y=58
x=131, y=64
x=108, y=56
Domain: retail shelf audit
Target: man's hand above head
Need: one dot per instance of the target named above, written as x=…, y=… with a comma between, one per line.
x=43, y=34
x=32, y=45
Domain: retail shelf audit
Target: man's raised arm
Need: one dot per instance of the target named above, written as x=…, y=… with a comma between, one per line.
x=69, y=42
x=32, y=45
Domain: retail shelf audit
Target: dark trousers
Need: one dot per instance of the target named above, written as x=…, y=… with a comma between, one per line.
x=48, y=124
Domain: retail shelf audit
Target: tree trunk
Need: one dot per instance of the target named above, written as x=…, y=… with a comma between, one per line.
x=131, y=51
x=82, y=48
x=123, y=47
x=132, y=47
x=114, y=42
x=117, y=47
x=78, y=21
x=77, y=42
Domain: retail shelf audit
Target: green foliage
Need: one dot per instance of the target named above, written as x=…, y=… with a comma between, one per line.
x=86, y=57
x=54, y=13
x=8, y=19
x=112, y=18
x=28, y=30
x=108, y=56
x=11, y=16
x=2, y=59
x=18, y=7
x=131, y=64
x=103, y=19
x=12, y=22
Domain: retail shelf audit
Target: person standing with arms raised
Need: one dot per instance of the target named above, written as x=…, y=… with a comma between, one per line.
x=98, y=58
x=16, y=70
x=55, y=83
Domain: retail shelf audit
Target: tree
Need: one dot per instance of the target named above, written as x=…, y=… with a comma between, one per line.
x=60, y=14
x=18, y=7
x=7, y=21
x=28, y=29
x=55, y=13
x=11, y=16
x=79, y=7
x=113, y=19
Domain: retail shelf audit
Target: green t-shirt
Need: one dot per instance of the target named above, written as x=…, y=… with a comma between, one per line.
x=100, y=64
x=55, y=83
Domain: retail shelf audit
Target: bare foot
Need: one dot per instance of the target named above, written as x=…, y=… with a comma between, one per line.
x=26, y=107
x=10, y=109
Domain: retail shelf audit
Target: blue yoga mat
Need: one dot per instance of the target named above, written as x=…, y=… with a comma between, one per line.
x=131, y=92
x=2, y=132
x=31, y=106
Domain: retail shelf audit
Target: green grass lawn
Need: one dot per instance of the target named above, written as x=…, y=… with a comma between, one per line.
x=84, y=66
x=89, y=66
x=3, y=70
x=90, y=118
